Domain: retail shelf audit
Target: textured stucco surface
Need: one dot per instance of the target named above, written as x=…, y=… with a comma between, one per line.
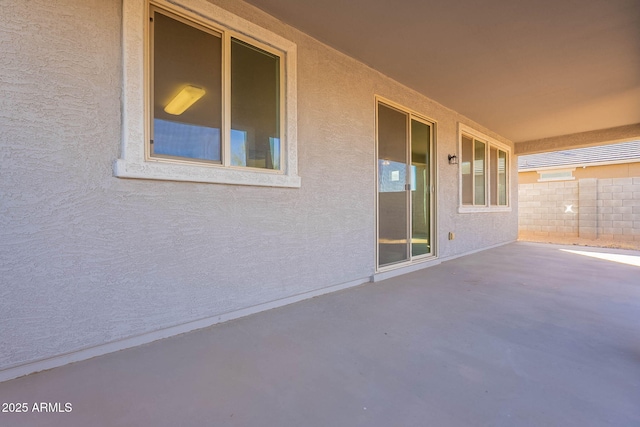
x=87, y=258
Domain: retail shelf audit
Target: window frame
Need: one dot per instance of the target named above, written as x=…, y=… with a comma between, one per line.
x=542, y=172
x=489, y=186
x=135, y=160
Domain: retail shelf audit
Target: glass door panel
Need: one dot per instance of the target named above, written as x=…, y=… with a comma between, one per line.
x=420, y=188
x=392, y=186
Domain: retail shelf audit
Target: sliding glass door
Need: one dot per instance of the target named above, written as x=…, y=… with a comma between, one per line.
x=405, y=224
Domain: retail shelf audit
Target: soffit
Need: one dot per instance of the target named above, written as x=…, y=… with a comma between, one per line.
x=526, y=70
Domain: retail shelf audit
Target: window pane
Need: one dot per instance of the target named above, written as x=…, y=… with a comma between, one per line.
x=420, y=191
x=479, y=173
x=556, y=176
x=187, y=82
x=467, y=178
x=255, y=107
x=493, y=166
x=502, y=178
x=392, y=180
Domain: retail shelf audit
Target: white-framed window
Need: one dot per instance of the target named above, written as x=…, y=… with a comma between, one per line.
x=556, y=175
x=484, y=172
x=207, y=97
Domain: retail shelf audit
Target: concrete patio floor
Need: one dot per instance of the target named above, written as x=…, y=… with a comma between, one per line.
x=521, y=335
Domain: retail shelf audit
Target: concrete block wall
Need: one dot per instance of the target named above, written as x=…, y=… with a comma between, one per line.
x=548, y=208
x=589, y=208
x=619, y=209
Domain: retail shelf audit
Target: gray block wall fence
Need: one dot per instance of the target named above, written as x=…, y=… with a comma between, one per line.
x=590, y=208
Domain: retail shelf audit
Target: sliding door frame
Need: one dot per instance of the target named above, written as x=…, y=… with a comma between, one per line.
x=421, y=118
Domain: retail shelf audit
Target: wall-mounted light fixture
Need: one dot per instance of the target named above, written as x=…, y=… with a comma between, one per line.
x=453, y=159
x=184, y=99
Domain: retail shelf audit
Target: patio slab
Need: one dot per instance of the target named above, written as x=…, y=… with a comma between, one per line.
x=521, y=335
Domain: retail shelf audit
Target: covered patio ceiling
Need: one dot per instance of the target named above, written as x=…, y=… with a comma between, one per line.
x=530, y=71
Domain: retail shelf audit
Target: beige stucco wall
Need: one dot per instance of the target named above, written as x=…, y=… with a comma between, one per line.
x=87, y=258
x=621, y=170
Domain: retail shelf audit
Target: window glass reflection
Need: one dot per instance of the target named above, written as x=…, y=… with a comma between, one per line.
x=392, y=176
x=185, y=140
x=255, y=107
x=187, y=74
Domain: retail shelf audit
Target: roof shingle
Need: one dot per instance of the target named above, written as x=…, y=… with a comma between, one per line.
x=626, y=151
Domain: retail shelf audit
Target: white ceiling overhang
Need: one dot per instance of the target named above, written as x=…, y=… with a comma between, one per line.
x=528, y=70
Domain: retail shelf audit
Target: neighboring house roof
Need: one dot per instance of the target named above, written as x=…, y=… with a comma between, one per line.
x=605, y=154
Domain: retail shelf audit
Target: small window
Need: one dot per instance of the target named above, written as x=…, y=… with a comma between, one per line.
x=484, y=170
x=556, y=175
x=221, y=100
